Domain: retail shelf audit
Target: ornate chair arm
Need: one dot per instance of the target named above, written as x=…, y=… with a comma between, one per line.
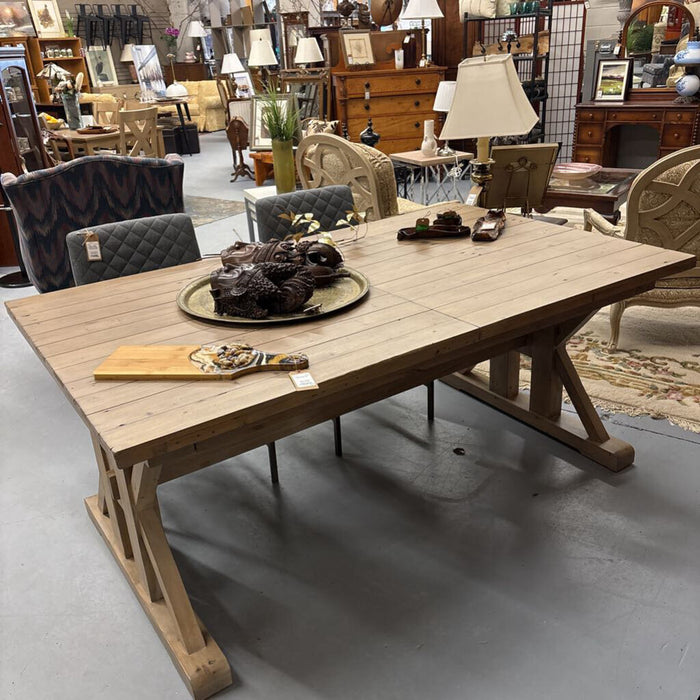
x=593, y=220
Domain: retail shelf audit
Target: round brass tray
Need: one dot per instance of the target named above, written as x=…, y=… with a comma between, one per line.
x=196, y=300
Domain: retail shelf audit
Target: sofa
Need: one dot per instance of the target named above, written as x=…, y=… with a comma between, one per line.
x=204, y=103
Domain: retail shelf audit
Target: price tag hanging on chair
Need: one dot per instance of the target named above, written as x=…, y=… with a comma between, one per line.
x=91, y=242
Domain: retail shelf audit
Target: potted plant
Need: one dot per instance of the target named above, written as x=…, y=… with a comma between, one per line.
x=281, y=119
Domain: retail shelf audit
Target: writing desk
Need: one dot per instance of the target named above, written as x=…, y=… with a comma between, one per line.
x=435, y=308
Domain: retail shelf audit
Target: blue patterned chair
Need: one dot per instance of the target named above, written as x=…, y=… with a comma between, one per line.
x=48, y=204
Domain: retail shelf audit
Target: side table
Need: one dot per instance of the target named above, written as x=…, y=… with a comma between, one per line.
x=440, y=167
x=250, y=197
x=262, y=164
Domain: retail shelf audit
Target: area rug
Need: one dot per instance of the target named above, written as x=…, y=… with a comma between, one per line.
x=204, y=210
x=655, y=371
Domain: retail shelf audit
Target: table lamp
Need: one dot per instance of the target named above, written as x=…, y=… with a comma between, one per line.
x=262, y=55
x=197, y=31
x=231, y=64
x=443, y=101
x=488, y=101
x=307, y=51
x=422, y=10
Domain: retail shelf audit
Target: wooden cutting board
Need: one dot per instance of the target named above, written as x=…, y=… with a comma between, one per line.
x=193, y=362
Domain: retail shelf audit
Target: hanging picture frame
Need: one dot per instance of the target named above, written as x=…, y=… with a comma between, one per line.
x=613, y=80
x=101, y=66
x=47, y=19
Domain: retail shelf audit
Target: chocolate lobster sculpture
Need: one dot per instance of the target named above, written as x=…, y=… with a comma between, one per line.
x=277, y=277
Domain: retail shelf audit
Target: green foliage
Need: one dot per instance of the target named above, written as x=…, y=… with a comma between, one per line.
x=639, y=37
x=279, y=117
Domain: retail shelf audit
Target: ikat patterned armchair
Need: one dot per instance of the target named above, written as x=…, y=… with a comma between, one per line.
x=663, y=209
x=48, y=204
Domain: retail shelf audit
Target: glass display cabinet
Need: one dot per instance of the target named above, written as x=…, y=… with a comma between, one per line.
x=21, y=145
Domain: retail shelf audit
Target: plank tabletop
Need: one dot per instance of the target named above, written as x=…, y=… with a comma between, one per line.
x=428, y=300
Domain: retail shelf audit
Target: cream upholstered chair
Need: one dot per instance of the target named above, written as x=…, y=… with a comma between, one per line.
x=326, y=159
x=663, y=209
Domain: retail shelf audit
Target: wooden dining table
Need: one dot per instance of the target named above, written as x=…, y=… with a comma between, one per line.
x=434, y=309
x=91, y=143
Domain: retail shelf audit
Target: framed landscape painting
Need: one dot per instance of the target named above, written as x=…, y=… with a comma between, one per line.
x=613, y=79
x=15, y=19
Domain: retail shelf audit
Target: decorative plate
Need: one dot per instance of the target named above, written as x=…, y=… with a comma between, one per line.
x=196, y=300
x=575, y=171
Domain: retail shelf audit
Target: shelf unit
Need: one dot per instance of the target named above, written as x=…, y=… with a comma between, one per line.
x=73, y=64
x=533, y=69
x=24, y=41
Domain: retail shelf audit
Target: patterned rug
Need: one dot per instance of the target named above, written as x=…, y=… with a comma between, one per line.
x=655, y=371
x=204, y=210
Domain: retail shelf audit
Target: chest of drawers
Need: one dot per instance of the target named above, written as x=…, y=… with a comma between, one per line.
x=398, y=101
x=597, y=135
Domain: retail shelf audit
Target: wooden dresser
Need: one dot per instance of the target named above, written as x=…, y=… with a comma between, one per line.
x=398, y=101
x=596, y=138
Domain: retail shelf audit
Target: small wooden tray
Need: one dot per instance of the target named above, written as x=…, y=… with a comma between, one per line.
x=409, y=233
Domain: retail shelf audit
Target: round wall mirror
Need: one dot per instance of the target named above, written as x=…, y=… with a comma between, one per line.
x=651, y=37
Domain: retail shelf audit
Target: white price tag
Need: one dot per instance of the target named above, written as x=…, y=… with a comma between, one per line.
x=302, y=380
x=616, y=50
x=92, y=246
x=366, y=94
x=473, y=196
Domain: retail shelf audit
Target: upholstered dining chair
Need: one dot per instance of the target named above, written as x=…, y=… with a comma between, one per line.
x=132, y=246
x=327, y=159
x=663, y=209
x=138, y=132
x=328, y=205
x=48, y=204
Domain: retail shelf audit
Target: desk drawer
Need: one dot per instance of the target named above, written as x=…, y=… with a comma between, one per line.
x=637, y=115
x=677, y=135
x=409, y=104
x=392, y=85
x=680, y=117
x=591, y=115
x=395, y=126
x=588, y=154
x=590, y=133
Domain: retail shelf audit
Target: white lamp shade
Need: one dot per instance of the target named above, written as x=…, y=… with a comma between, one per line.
x=258, y=34
x=176, y=90
x=488, y=101
x=308, y=51
x=422, y=9
x=444, y=96
x=126, y=54
x=196, y=29
x=231, y=64
x=262, y=54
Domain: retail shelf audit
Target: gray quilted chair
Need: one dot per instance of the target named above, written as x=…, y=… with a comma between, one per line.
x=130, y=247
x=326, y=204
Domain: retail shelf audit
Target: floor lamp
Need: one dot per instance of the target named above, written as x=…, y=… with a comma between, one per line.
x=488, y=101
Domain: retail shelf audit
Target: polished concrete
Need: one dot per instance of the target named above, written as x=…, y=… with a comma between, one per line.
x=405, y=570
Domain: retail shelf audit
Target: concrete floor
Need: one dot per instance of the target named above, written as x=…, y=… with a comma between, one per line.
x=404, y=570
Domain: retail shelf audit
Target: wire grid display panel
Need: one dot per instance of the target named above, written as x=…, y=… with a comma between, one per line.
x=565, y=65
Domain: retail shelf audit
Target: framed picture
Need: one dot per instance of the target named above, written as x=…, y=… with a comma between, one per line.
x=260, y=139
x=613, y=79
x=357, y=47
x=101, y=66
x=47, y=19
x=15, y=19
x=245, y=85
x=148, y=72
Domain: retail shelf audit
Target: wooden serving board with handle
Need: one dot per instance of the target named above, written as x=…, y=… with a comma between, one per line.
x=193, y=362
